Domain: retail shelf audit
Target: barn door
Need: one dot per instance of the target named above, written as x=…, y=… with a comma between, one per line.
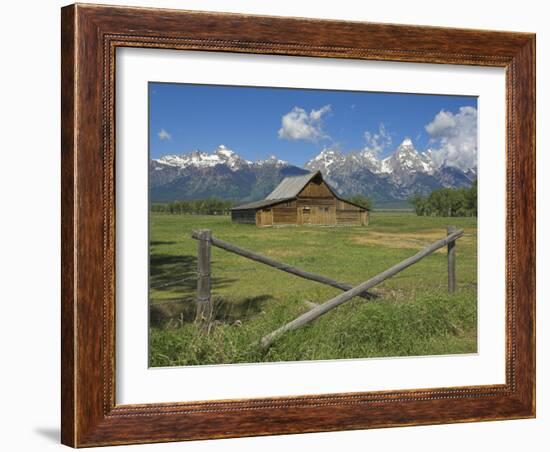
x=323, y=215
x=266, y=217
x=306, y=215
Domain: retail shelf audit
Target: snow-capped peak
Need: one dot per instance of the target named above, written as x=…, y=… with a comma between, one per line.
x=369, y=153
x=325, y=160
x=406, y=150
x=327, y=155
x=403, y=161
x=406, y=161
x=369, y=158
x=222, y=155
x=271, y=160
x=224, y=151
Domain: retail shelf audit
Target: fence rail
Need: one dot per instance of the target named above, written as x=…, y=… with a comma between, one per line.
x=278, y=265
x=204, y=298
x=318, y=311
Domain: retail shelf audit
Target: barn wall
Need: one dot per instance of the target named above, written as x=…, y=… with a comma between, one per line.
x=310, y=202
x=348, y=217
x=285, y=213
x=343, y=205
x=347, y=213
x=243, y=216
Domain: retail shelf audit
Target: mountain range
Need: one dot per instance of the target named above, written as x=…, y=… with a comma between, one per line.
x=225, y=174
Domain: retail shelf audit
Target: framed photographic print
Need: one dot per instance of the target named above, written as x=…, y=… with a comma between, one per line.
x=281, y=225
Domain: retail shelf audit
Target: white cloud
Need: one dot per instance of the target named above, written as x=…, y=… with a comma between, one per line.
x=378, y=141
x=298, y=124
x=443, y=123
x=455, y=136
x=164, y=135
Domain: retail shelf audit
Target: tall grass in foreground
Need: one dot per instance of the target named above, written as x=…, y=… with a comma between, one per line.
x=432, y=323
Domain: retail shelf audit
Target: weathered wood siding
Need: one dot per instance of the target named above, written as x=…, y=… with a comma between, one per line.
x=316, y=189
x=324, y=215
x=285, y=213
x=319, y=215
x=347, y=213
x=264, y=217
x=310, y=202
x=243, y=216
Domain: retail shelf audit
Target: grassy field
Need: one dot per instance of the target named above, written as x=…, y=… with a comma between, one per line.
x=413, y=314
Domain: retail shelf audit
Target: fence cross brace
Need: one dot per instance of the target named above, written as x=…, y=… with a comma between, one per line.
x=204, y=298
x=321, y=309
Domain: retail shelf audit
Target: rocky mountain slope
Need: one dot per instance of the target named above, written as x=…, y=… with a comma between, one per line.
x=225, y=174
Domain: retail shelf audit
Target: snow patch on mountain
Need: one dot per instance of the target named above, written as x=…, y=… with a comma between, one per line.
x=222, y=155
x=271, y=160
x=406, y=169
x=326, y=160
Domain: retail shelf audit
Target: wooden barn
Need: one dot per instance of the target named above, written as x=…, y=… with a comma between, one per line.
x=301, y=200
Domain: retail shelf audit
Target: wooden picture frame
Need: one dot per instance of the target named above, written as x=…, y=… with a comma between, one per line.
x=90, y=36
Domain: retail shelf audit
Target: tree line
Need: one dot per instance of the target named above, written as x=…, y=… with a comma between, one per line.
x=444, y=202
x=447, y=202
x=209, y=206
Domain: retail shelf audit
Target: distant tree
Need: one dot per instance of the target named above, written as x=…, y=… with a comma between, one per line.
x=447, y=202
x=158, y=207
x=419, y=203
x=361, y=200
x=471, y=198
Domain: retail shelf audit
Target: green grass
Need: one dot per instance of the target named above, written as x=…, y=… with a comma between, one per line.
x=413, y=315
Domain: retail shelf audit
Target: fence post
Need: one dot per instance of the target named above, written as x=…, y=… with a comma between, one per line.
x=451, y=261
x=204, y=298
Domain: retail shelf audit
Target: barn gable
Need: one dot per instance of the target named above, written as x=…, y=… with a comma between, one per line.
x=316, y=188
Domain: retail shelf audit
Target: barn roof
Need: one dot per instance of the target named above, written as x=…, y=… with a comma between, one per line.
x=291, y=186
x=261, y=203
x=288, y=189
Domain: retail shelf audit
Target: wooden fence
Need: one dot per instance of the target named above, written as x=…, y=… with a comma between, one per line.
x=204, y=296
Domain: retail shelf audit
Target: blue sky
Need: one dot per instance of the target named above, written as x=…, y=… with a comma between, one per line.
x=295, y=124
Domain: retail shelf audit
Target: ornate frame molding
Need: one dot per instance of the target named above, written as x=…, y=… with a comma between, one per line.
x=90, y=37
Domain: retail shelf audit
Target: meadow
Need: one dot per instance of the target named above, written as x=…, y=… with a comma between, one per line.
x=412, y=314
